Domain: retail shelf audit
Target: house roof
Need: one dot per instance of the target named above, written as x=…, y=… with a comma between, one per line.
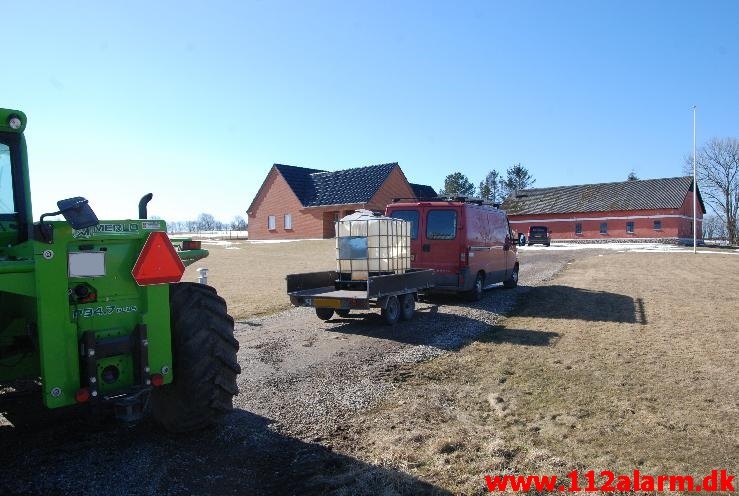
x=423, y=191
x=347, y=186
x=648, y=194
x=315, y=187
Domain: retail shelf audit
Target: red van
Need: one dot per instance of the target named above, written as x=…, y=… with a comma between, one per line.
x=467, y=242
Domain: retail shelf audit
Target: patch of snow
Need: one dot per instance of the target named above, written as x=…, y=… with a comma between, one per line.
x=625, y=247
x=272, y=241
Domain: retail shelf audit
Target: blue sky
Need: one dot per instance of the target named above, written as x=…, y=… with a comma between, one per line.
x=194, y=101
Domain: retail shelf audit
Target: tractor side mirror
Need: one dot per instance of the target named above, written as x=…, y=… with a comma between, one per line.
x=77, y=212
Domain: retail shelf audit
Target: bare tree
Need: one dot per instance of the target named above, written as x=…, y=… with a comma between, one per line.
x=206, y=222
x=238, y=224
x=713, y=227
x=717, y=168
x=517, y=178
x=632, y=176
x=490, y=188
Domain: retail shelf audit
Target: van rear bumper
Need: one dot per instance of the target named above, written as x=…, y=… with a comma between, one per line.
x=454, y=283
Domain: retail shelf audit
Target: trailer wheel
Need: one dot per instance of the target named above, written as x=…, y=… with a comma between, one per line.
x=203, y=361
x=391, y=312
x=407, y=306
x=343, y=312
x=324, y=313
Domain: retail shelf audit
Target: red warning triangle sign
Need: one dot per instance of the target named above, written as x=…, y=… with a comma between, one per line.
x=158, y=261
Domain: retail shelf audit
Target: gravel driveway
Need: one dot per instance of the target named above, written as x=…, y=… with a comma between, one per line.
x=302, y=381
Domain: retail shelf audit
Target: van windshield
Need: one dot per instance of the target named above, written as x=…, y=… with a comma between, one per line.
x=411, y=216
x=441, y=224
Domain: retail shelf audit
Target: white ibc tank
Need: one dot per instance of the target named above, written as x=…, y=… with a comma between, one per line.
x=369, y=244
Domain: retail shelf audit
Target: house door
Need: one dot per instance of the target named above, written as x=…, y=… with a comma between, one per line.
x=329, y=224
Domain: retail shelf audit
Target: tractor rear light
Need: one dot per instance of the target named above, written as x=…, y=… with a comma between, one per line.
x=82, y=395
x=157, y=380
x=158, y=261
x=191, y=245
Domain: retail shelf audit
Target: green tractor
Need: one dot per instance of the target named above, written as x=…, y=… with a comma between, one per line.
x=92, y=313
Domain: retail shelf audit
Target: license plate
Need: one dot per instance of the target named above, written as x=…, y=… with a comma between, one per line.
x=326, y=303
x=87, y=264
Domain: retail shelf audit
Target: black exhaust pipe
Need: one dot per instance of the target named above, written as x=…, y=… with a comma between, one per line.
x=142, y=205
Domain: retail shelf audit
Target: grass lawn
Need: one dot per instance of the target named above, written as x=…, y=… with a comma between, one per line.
x=251, y=276
x=622, y=362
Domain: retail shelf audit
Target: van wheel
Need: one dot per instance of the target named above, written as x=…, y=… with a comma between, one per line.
x=391, y=313
x=512, y=281
x=407, y=306
x=324, y=313
x=476, y=293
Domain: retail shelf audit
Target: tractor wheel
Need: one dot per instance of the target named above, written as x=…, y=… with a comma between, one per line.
x=203, y=361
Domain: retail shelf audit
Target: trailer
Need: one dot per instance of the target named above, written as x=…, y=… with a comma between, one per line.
x=332, y=292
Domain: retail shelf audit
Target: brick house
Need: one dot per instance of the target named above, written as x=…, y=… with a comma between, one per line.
x=297, y=202
x=642, y=210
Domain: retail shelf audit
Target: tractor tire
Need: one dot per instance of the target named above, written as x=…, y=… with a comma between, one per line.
x=203, y=361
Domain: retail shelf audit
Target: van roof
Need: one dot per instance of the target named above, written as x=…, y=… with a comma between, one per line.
x=457, y=200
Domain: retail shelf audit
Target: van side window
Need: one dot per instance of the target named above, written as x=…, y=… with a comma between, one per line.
x=441, y=224
x=411, y=216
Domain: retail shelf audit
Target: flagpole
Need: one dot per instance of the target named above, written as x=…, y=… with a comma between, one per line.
x=695, y=192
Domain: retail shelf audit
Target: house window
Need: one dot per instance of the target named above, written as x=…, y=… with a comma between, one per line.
x=578, y=229
x=629, y=228
x=288, y=221
x=657, y=225
x=604, y=227
x=271, y=223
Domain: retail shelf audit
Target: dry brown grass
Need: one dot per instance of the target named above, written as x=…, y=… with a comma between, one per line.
x=626, y=361
x=251, y=276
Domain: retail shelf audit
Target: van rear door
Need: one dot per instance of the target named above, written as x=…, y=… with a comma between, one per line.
x=440, y=243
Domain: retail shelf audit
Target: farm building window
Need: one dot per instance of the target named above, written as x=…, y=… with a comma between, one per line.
x=441, y=224
x=604, y=227
x=629, y=228
x=271, y=223
x=578, y=229
x=657, y=225
x=288, y=221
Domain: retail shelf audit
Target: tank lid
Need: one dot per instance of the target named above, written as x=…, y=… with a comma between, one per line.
x=364, y=214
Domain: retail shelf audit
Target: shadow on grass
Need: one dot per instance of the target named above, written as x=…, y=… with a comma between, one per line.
x=241, y=456
x=565, y=302
x=525, y=337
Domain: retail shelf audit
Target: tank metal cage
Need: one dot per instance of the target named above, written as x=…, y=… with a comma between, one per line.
x=371, y=245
